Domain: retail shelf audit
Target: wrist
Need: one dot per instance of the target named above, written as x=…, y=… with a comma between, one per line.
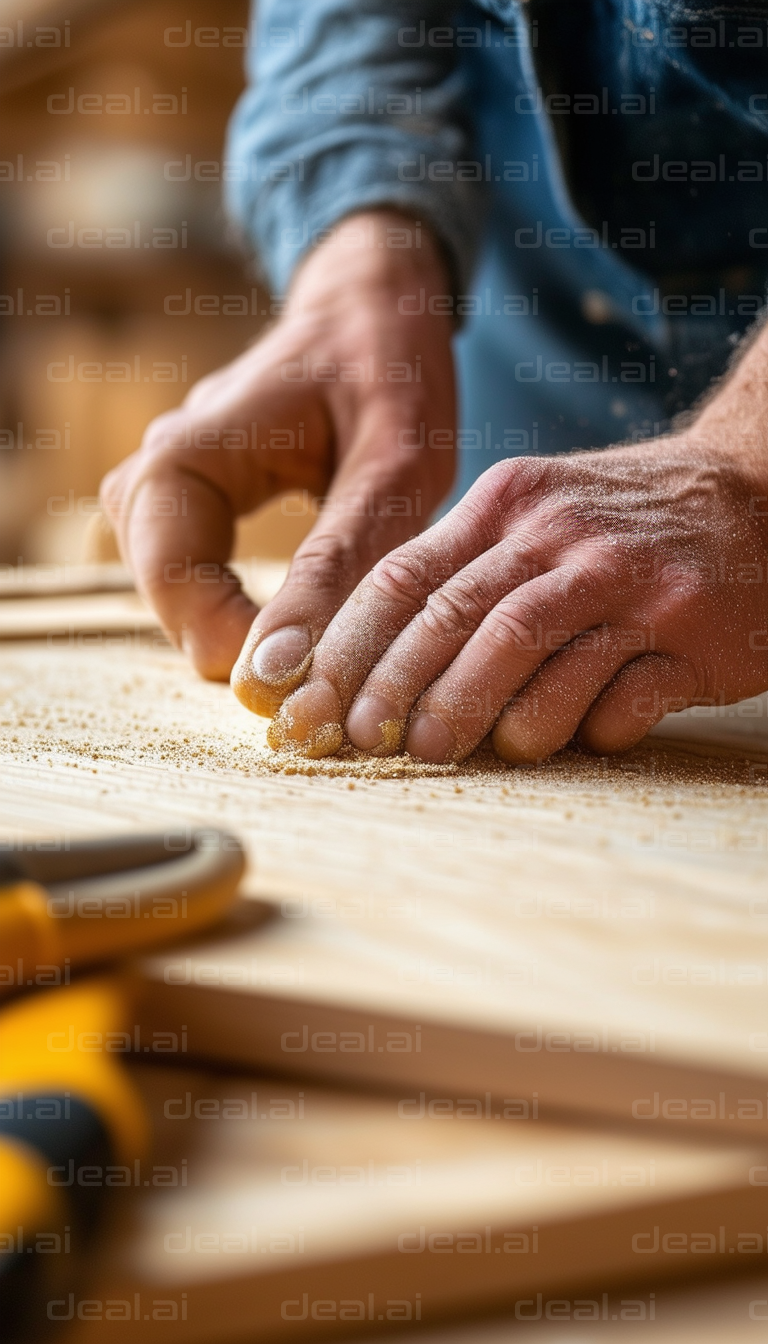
x=733, y=424
x=378, y=256
x=733, y=441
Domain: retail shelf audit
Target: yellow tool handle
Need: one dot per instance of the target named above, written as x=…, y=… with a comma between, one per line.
x=68, y=1111
x=105, y=911
x=28, y=937
x=28, y=1202
x=73, y=1041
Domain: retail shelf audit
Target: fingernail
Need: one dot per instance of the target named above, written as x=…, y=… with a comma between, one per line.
x=309, y=722
x=279, y=655
x=430, y=739
x=373, y=725
x=323, y=741
x=516, y=743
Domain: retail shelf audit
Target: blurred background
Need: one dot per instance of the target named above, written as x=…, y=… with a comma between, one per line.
x=120, y=280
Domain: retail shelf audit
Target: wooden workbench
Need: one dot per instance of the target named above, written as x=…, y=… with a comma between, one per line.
x=567, y=930
x=270, y=1211
x=623, y=895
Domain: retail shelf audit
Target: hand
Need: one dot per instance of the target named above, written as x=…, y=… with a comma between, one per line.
x=341, y=396
x=586, y=595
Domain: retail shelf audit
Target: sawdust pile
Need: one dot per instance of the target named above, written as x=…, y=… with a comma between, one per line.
x=141, y=703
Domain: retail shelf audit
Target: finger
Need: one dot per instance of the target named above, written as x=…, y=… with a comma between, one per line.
x=376, y=504
x=383, y=604
x=428, y=645
x=392, y=595
x=177, y=538
x=278, y=650
x=641, y=693
x=519, y=634
x=173, y=506
x=545, y=714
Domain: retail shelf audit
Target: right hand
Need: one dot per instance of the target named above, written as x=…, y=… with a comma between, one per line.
x=346, y=391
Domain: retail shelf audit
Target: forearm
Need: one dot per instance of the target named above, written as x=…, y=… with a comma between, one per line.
x=735, y=418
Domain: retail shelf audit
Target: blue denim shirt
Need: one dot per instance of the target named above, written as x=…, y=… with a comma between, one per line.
x=596, y=169
x=659, y=110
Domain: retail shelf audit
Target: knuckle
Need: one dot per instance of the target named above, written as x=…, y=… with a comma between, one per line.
x=515, y=477
x=579, y=582
x=401, y=578
x=166, y=433
x=685, y=585
x=514, y=627
x=455, y=610
x=504, y=490
x=479, y=514
x=325, y=563
x=112, y=488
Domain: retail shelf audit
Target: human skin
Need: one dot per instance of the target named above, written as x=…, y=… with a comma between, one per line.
x=581, y=595
x=330, y=373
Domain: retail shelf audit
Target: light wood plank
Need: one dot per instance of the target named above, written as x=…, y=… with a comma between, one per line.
x=620, y=905
x=56, y=580
x=80, y=601
x=295, y=1197
x=708, y=1313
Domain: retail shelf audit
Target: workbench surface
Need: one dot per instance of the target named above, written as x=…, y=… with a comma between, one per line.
x=615, y=901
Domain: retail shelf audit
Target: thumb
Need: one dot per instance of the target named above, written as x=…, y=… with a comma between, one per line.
x=173, y=504
x=381, y=496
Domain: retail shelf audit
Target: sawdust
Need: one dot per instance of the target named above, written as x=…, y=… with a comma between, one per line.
x=137, y=702
x=146, y=706
x=327, y=740
x=350, y=763
x=101, y=737
x=392, y=734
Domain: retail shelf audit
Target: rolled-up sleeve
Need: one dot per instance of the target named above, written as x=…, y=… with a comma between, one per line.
x=351, y=105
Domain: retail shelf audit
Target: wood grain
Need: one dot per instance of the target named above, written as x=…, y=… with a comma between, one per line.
x=742, y=727
x=692, y=1314
x=295, y=1201
x=74, y=616
x=57, y=580
x=47, y=601
x=592, y=930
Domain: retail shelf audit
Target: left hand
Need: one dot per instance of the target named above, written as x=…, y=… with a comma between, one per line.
x=585, y=595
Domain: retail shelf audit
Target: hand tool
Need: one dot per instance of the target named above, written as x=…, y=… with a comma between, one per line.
x=71, y=1121
x=69, y=904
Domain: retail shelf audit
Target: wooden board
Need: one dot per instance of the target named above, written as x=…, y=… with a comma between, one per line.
x=74, y=616
x=742, y=727
x=595, y=931
x=59, y=580
x=98, y=597
x=711, y=1314
x=297, y=1212
x=79, y=601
